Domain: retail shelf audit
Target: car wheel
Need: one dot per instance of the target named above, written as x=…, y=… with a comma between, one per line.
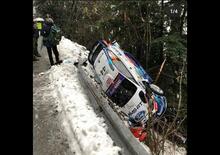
x=156, y=89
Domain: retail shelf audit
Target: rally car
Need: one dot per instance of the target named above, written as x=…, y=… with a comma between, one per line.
x=126, y=83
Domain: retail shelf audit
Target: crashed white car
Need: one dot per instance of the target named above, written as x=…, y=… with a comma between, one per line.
x=125, y=82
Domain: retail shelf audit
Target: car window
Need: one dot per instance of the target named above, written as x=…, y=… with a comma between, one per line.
x=123, y=93
x=96, y=52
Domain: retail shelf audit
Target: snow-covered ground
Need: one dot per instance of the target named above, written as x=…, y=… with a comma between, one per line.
x=86, y=132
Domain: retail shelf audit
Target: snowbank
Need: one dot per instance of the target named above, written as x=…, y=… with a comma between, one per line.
x=80, y=121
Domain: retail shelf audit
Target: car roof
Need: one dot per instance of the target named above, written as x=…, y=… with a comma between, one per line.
x=131, y=67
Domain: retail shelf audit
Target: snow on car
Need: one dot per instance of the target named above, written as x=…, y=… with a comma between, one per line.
x=126, y=83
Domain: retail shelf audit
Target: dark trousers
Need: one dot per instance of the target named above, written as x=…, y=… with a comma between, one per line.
x=55, y=52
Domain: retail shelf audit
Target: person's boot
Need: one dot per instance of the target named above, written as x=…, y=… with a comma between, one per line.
x=58, y=62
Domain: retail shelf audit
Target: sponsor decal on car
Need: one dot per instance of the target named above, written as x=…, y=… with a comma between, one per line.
x=140, y=116
x=109, y=81
x=135, y=109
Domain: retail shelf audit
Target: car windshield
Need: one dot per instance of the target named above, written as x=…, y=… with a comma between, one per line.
x=123, y=93
x=120, y=66
x=138, y=68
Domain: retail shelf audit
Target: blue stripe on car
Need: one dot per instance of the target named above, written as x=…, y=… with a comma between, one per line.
x=108, y=58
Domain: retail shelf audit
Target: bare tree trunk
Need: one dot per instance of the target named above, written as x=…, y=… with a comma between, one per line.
x=182, y=19
x=148, y=39
x=146, y=58
x=161, y=31
x=158, y=75
x=148, y=44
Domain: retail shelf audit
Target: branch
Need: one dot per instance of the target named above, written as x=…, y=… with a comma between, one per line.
x=160, y=70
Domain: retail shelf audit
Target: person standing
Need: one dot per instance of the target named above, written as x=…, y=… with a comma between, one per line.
x=51, y=37
x=35, y=37
x=39, y=26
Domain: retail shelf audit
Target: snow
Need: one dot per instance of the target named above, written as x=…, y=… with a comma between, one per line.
x=86, y=131
x=171, y=149
x=90, y=130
